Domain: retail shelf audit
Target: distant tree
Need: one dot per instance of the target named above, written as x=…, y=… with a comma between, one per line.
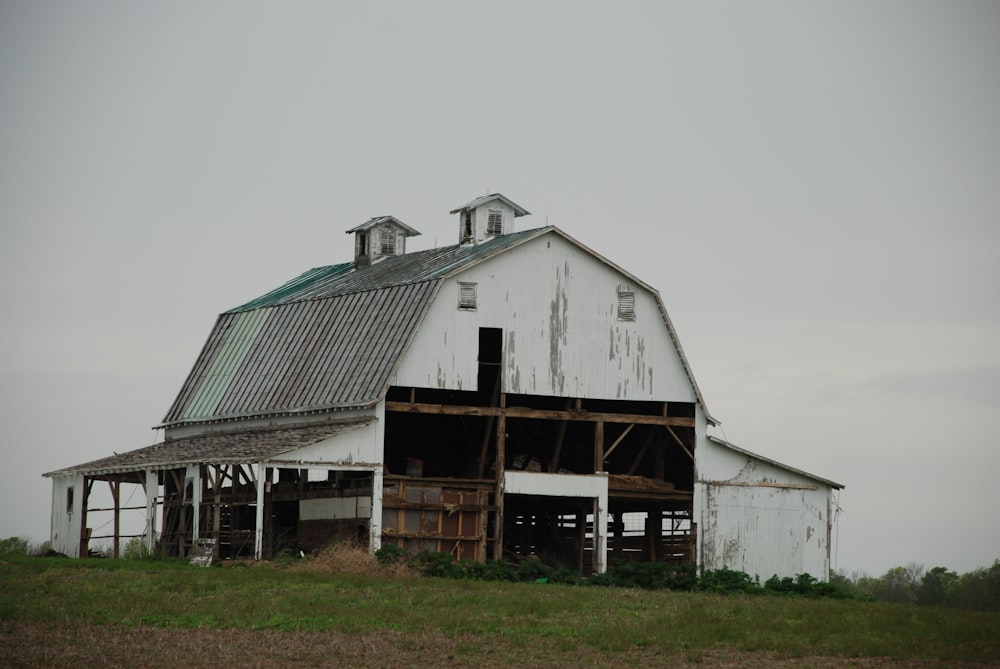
x=980, y=589
x=937, y=587
x=12, y=546
x=899, y=584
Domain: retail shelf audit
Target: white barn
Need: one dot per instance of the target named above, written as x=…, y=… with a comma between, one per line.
x=515, y=394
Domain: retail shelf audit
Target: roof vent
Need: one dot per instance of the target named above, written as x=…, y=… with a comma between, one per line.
x=486, y=217
x=378, y=238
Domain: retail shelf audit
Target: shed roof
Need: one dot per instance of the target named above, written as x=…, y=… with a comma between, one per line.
x=737, y=449
x=224, y=448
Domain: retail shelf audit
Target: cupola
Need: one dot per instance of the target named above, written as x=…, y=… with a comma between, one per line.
x=378, y=238
x=486, y=217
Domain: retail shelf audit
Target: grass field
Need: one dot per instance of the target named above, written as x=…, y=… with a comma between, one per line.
x=347, y=611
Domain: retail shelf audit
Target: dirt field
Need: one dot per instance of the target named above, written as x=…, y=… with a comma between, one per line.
x=89, y=646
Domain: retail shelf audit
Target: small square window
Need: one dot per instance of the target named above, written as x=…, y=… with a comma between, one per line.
x=626, y=305
x=466, y=295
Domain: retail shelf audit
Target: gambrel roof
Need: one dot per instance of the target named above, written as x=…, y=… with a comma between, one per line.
x=332, y=337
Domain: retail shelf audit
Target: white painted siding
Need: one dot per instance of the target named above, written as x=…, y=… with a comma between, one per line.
x=558, y=308
x=760, y=518
x=338, y=508
x=360, y=448
x=64, y=534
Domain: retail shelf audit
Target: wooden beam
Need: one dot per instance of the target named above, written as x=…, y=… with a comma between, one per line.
x=560, y=439
x=539, y=414
x=501, y=465
x=640, y=455
x=680, y=443
x=620, y=439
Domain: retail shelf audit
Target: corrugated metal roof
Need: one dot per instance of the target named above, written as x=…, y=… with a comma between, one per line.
x=342, y=279
x=228, y=448
x=327, y=339
x=327, y=353
x=332, y=337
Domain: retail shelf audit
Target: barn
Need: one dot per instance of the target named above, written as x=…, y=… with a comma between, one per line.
x=512, y=395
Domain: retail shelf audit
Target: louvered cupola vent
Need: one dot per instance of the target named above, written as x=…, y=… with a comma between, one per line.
x=487, y=217
x=378, y=238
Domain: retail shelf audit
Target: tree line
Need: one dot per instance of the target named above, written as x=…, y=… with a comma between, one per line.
x=978, y=590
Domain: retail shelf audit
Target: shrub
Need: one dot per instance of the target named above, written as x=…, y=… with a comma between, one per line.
x=649, y=576
x=728, y=581
x=390, y=554
x=13, y=547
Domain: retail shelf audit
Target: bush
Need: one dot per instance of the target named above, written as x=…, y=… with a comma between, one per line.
x=649, y=576
x=390, y=554
x=13, y=547
x=728, y=581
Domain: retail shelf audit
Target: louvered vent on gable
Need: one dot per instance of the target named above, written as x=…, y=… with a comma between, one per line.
x=626, y=304
x=467, y=295
x=494, y=223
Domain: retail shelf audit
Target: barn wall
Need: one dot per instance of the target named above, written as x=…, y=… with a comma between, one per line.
x=759, y=518
x=557, y=306
x=64, y=534
x=355, y=448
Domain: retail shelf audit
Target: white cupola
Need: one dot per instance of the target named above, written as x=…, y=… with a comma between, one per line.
x=486, y=217
x=378, y=238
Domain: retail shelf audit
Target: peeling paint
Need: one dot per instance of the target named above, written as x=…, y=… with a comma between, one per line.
x=558, y=321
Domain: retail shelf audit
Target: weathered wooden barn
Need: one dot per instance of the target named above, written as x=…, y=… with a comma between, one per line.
x=515, y=394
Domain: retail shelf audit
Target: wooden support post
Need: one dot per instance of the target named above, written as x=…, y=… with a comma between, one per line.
x=680, y=443
x=654, y=525
x=500, y=467
x=560, y=439
x=640, y=455
x=599, y=446
x=116, y=530
x=84, y=550
x=258, y=539
x=620, y=439
x=217, y=510
x=660, y=460
x=488, y=432
x=152, y=487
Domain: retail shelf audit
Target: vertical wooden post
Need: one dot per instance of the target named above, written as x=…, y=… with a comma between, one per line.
x=500, y=466
x=152, y=487
x=116, y=531
x=599, y=446
x=217, y=510
x=258, y=540
x=84, y=532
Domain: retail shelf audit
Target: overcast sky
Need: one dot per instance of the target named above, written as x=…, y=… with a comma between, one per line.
x=814, y=188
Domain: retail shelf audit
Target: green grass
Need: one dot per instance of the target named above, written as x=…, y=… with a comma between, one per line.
x=173, y=595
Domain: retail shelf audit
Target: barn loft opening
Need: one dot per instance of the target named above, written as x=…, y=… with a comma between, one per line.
x=463, y=438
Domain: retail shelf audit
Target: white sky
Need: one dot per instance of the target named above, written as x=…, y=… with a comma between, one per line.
x=814, y=188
